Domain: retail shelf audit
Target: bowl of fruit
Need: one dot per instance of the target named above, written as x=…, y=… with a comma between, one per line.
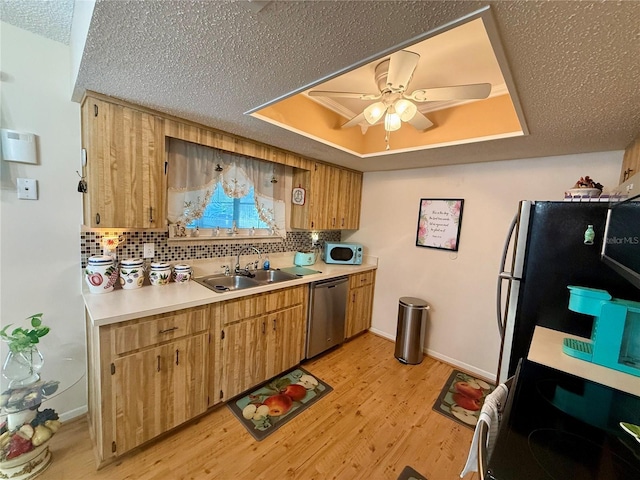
x=585, y=187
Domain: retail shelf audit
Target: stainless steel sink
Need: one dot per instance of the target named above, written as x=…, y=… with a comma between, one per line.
x=221, y=283
x=273, y=276
x=226, y=283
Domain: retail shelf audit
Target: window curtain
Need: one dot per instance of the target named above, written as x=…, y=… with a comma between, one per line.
x=195, y=171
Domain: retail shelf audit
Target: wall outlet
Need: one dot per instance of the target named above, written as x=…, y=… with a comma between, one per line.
x=149, y=250
x=27, y=188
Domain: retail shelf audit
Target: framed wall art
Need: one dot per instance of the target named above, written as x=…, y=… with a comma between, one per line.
x=439, y=222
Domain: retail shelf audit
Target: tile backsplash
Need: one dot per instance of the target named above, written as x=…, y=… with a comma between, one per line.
x=196, y=249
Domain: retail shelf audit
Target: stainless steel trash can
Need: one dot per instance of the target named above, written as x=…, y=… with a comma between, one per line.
x=412, y=319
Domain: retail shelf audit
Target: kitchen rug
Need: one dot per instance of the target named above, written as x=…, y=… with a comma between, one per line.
x=462, y=397
x=410, y=474
x=277, y=401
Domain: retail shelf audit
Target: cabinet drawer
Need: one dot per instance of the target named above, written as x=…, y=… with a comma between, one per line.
x=361, y=279
x=158, y=329
x=242, y=308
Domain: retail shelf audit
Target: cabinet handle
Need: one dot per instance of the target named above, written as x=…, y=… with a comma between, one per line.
x=274, y=324
x=177, y=357
x=353, y=298
x=627, y=174
x=95, y=110
x=167, y=330
x=343, y=221
x=264, y=327
x=150, y=214
x=158, y=362
x=97, y=219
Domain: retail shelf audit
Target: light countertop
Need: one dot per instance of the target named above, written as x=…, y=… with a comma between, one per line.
x=121, y=305
x=546, y=349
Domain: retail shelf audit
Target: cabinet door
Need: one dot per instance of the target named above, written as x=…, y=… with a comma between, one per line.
x=285, y=345
x=125, y=166
x=351, y=194
x=157, y=389
x=334, y=202
x=359, y=310
x=631, y=161
x=244, y=356
x=319, y=197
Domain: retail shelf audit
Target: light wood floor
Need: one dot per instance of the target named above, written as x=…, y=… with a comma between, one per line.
x=378, y=419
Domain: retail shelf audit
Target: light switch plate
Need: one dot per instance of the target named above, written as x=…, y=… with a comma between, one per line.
x=27, y=188
x=149, y=250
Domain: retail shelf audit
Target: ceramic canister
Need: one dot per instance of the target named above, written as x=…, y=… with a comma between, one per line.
x=131, y=273
x=181, y=273
x=159, y=273
x=101, y=274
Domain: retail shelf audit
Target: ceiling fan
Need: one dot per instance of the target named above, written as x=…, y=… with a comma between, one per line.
x=394, y=103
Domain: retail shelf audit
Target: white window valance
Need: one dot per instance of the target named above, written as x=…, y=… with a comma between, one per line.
x=195, y=171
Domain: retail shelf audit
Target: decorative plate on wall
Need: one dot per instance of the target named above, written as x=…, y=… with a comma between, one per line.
x=298, y=196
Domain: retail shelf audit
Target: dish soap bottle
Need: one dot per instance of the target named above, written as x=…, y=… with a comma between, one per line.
x=266, y=264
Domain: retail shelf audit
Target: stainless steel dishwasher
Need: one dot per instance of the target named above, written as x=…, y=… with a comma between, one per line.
x=327, y=312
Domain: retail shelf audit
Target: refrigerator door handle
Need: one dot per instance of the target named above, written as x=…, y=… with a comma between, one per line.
x=504, y=276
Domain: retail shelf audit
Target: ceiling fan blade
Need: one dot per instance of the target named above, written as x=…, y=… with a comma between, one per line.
x=360, y=96
x=402, y=64
x=354, y=121
x=420, y=122
x=454, y=92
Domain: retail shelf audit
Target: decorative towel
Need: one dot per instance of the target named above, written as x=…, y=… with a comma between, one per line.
x=490, y=414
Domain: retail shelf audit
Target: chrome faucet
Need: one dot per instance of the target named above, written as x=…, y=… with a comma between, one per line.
x=246, y=271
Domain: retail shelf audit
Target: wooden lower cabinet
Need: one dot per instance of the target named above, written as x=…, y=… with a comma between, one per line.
x=158, y=389
x=360, y=304
x=146, y=377
x=266, y=341
x=149, y=375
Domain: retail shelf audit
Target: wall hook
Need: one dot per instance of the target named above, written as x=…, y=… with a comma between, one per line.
x=82, y=184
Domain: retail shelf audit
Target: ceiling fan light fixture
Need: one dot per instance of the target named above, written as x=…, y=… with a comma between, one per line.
x=405, y=109
x=391, y=120
x=374, y=112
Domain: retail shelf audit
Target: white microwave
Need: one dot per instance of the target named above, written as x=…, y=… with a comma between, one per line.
x=343, y=253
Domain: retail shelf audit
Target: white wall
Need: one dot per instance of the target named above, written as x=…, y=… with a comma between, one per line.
x=39, y=240
x=460, y=287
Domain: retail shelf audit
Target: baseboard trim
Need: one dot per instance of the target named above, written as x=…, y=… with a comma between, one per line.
x=483, y=374
x=75, y=413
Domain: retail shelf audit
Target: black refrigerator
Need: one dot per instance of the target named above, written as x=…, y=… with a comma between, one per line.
x=546, y=252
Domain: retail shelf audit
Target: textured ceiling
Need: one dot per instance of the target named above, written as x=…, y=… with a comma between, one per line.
x=576, y=66
x=50, y=19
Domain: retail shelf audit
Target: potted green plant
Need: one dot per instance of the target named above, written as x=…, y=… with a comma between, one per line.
x=24, y=361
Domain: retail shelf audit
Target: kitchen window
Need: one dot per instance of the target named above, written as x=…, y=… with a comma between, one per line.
x=212, y=188
x=225, y=212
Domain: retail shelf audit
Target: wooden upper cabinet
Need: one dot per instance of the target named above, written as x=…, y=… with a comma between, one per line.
x=631, y=161
x=125, y=172
x=333, y=198
x=350, y=189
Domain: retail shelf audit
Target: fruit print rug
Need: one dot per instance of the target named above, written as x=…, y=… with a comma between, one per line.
x=462, y=397
x=269, y=406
